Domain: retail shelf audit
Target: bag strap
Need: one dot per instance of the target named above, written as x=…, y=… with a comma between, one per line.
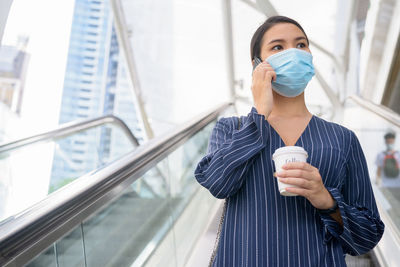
x=387, y=153
x=221, y=221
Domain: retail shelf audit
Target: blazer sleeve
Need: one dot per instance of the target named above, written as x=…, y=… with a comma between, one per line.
x=230, y=153
x=362, y=227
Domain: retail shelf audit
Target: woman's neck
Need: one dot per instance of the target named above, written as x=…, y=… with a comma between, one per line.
x=286, y=107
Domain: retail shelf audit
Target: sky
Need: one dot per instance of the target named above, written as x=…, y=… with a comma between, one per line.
x=48, y=45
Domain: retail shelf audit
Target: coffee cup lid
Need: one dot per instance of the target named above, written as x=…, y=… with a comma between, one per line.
x=289, y=149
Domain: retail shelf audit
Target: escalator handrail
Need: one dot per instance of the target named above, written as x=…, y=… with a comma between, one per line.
x=379, y=110
x=27, y=234
x=68, y=129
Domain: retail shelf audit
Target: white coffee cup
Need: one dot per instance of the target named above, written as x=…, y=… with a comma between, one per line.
x=284, y=155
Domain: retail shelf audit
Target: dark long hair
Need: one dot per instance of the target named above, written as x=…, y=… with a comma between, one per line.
x=256, y=40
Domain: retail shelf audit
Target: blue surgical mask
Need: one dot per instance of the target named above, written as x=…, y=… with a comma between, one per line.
x=390, y=146
x=294, y=69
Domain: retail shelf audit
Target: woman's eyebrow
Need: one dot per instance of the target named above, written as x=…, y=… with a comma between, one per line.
x=282, y=40
x=277, y=41
x=300, y=38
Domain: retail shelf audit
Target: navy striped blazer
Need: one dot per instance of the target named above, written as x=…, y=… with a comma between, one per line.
x=263, y=228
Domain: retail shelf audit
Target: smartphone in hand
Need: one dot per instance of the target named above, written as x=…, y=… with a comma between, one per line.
x=257, y=61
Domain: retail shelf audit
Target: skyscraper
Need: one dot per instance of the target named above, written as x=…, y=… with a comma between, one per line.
x=93, y=78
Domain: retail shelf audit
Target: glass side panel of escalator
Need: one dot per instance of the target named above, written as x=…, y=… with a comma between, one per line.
x=28, y=174
x=142, y=226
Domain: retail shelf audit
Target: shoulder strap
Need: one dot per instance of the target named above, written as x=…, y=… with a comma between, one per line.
x=387, y=153
x=221, y=221
x=239, y=120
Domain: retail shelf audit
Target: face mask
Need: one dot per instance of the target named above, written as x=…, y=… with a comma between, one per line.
x=390, y=146
x=294, y=69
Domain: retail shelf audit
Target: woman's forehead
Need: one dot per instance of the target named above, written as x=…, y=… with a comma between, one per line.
x=284, y=31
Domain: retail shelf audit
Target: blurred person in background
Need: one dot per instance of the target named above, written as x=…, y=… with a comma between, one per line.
x=388, y=162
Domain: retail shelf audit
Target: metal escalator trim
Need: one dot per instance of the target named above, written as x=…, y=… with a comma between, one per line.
x=32, y=231
x=68, y=129
x=379, y=110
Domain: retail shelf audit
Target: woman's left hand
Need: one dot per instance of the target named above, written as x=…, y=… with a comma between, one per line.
x=309, y=181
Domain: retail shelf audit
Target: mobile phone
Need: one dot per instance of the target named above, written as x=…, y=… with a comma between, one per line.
x=257, y=61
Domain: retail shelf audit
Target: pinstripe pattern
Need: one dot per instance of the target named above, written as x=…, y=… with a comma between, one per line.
x=263, y=228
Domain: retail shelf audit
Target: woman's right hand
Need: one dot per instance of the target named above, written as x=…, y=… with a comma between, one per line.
x=261, y=88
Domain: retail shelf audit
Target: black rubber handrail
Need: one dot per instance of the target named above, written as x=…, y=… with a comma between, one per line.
x=26, y=235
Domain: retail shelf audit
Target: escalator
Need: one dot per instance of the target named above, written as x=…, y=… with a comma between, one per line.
x=125, y=213
x=143, y=208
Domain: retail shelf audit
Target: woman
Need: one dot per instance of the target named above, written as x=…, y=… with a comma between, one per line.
x=335, y=211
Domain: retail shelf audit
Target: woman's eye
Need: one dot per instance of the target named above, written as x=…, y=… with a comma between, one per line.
x=277, y=47
x=301, y=45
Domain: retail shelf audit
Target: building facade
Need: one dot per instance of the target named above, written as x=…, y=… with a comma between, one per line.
x=93, y=79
